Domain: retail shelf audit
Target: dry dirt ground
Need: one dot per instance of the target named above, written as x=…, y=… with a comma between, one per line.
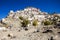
x=30, y=34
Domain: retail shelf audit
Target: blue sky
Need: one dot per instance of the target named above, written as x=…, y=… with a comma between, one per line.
x=44, y=5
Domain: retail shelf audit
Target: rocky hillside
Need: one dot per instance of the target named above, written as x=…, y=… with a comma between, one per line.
x=30, y=24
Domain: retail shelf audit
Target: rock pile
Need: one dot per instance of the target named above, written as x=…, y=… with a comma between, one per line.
x=30, y=24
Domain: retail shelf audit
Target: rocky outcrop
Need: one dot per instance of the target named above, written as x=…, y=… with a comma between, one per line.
x=11, y=26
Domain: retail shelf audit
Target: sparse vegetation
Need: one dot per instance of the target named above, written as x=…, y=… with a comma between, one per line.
x=47, y=22
x=30, y=24
x=54, y=21
x=25, y=23
x=35, y=22
x=21, y=18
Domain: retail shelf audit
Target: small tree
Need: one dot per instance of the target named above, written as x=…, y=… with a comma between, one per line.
x=35, y=22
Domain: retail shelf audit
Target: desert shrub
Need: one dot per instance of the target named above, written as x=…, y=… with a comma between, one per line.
x=21, y=18
x=55, y=21
x=48, y=22
x=35, y=22
x=25, y=23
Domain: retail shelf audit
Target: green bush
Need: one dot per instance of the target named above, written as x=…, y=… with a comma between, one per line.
x=48, y=22
x=21, y=18
x=35, y=22
x=25, y=23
